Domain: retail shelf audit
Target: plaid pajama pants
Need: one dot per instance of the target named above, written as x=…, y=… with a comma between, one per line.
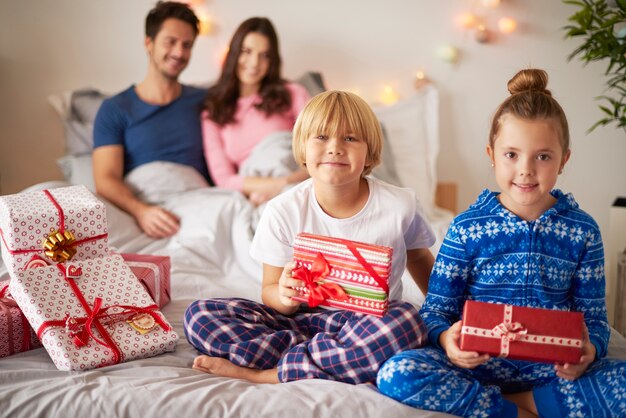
x=426, y=379
x=311, y=344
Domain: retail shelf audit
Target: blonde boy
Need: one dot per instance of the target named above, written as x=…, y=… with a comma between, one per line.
x=338, y=139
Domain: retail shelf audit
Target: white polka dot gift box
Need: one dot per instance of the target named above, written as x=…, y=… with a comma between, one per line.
x=342, y=274
x=522, y=333
x=58, y=225
x=92, y=313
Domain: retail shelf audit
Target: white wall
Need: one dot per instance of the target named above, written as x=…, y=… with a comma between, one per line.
x=50, y=46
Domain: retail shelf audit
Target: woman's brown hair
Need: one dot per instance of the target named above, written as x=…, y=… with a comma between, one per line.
x=221, y=100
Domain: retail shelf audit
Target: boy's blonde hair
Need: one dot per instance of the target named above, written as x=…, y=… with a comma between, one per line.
x=338, y=113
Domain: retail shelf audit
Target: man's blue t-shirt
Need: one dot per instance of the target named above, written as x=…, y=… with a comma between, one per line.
x=153, y=132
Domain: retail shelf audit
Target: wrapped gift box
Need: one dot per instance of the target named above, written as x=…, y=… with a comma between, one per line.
x=342, y=274
x=153, y=271
x=16, y=334
x=92, y=313
x=56, y=224
x=515, y=332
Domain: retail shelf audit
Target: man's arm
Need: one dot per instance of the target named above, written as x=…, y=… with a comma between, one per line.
x=108, y=169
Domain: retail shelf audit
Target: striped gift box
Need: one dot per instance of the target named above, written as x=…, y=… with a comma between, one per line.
x=342, y=274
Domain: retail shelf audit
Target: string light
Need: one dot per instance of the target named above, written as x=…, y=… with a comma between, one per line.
x=421, y=80
x=507, y=25
x=479, y=23
x=466, y=20
x=491, y=4
x=481, y=34
x=448, y=53
x=388, y=96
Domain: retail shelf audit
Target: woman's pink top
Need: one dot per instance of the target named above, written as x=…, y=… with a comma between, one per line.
x=227, y=147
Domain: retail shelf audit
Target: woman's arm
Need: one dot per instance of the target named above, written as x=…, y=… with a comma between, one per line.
x=223, y=171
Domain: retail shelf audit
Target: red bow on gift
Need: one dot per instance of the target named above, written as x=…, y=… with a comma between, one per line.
x=80, y=329
x=319, y=290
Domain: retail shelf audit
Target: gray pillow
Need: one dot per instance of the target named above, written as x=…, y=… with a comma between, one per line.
x=78, y=122
x=312, y=82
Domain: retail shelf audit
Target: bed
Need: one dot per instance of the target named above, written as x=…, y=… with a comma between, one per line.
x=209, y=258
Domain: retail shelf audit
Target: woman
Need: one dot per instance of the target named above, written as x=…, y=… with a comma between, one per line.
x=249, y=102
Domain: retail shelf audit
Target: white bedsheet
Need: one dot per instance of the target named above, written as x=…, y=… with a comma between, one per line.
x=209, y=259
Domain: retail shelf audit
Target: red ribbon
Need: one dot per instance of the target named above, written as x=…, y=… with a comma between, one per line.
x=61, y=217
x=98, y=313
x=319, y=290
x=383, y=284
x=6, y=303
x=95, y=315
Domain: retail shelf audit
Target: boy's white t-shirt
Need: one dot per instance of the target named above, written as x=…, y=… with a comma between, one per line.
x=391, y=217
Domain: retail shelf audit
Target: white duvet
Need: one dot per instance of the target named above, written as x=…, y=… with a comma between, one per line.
x=209, y=259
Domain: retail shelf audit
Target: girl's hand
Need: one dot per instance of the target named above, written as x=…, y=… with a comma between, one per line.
x=570, y=371
x=449, y=340
x=287, y=285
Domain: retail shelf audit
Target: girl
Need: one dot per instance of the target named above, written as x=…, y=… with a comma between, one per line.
x=249, y=101
x=528, y=245
x=338, y=139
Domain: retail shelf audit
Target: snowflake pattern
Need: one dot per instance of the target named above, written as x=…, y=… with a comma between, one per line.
x=431, y=382
x=491, y=255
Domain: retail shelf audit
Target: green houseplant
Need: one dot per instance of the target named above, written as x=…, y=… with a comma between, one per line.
x=601, y=26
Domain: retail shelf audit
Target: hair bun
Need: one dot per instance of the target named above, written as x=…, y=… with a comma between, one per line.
x=529, y=80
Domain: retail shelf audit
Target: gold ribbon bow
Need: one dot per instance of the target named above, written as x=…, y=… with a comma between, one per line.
x=60, y=246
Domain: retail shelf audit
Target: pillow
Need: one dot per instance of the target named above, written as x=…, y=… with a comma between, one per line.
x=386, y=170
x=76, y=169
x=312, y=82
x=77, y=110
x=412, y=143
x=155, y=182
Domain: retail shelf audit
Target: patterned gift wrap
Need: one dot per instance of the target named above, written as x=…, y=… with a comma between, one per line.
x=153, y=271
x=16, y=334
x=342, y=274
x=57, y=224
x=522, y=333
x=92, y=313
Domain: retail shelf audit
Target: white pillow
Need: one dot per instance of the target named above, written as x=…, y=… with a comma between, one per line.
x=77, y=170
x=412, y=140
x=157, y=181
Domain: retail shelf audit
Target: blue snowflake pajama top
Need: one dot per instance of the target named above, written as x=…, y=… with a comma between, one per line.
x=492, y=255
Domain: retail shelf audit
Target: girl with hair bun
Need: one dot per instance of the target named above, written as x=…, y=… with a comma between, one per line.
x=526, y=245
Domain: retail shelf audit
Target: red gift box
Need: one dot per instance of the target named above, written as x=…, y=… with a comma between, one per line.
x=16, y=335
x=153, y=271
x=342, y=274
x=534, y=334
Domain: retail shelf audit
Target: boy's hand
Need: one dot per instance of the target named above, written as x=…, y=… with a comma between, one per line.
x=449, y=340
x=570, y=371
x=287, y=285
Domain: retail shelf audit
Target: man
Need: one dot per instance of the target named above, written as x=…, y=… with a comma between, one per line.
x=155, y=120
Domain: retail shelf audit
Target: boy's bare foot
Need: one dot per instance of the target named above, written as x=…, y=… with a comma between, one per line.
x=223, y=367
